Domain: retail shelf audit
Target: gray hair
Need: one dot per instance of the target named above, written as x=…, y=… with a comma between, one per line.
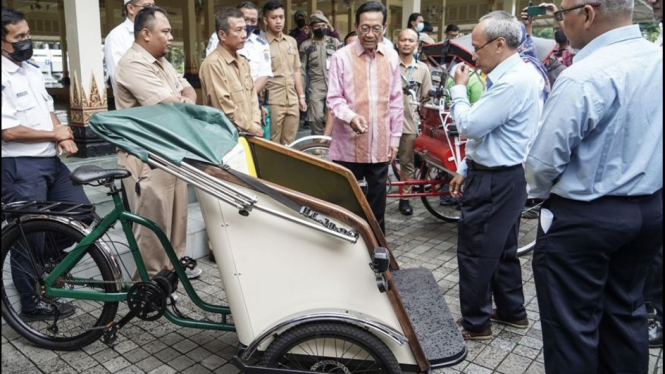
x=222, y=18
x=502, y=24
x=612, y=8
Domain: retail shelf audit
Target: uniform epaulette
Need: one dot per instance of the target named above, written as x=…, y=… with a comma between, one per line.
x=261, y=40
x=33, y=64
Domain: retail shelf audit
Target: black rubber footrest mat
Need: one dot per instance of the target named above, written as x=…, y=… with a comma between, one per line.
x=429, y=314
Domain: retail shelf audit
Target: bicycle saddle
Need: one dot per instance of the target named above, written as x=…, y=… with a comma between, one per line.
x=90, y=173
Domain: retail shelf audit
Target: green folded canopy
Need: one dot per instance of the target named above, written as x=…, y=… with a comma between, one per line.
x=173, y=131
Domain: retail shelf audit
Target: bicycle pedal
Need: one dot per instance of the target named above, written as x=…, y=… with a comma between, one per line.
x=188, y=262
x=110, y=336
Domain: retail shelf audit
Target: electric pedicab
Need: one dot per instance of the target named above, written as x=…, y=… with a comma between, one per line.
x=310, y=280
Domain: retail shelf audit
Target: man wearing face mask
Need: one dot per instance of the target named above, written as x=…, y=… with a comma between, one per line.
x=120, y=39
x=32, y=137
x=315, y=55
x=416, y=22
x=255, y=49
x=144, y=77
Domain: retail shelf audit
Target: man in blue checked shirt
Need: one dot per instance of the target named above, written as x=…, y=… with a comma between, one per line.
x=598, y=159
x=498, y=127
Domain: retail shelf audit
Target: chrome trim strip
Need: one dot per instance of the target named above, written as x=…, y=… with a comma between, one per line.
x=378, y=327
x=308, y=138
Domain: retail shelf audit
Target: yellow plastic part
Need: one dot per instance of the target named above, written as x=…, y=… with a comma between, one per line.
x=248, y=156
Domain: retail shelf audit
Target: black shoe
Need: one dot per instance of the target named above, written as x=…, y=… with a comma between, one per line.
x=405, y=207
x=45, y=311
x=655, y=334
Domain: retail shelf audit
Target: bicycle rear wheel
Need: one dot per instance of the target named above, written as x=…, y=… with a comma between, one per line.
x=526, y=240
x=30, y=251
x=319, y=150
x=444, y=207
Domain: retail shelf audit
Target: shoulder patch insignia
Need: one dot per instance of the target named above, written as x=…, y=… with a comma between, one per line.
x=261, y=40
x=266, y=56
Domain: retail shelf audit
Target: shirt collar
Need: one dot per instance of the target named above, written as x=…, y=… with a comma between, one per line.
x=129, y=25
x=137, y=47
x=380, y=48
x=610, y=37
x=503, y=67
x=9, y=65
x=412, y=64
x=270, y=37
x=228, y=57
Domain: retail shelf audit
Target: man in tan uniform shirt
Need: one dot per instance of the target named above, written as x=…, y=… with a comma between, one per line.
x=144, y=77
x=225, y=76
x=286, y=96
x=416, y=77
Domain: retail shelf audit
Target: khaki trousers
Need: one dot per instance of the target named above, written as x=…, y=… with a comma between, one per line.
x=163, y=200
x=406, y=159
x=284, y=123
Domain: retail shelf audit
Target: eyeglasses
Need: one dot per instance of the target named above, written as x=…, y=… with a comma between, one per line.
x=145, y=5
x=559, y=13
x=475, y=50
x=377, y=30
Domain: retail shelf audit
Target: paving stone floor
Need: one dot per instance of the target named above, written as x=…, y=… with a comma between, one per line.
x=161, y=347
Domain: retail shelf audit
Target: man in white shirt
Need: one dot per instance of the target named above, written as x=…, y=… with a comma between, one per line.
x=120, y=39
x=256, y=49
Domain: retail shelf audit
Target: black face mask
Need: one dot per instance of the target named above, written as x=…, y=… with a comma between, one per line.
x=250, y=29
x=22, y=50
x=300, y=22
x=319, y=33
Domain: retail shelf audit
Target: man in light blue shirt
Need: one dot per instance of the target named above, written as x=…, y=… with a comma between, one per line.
x=598, y=159
x=498, y=127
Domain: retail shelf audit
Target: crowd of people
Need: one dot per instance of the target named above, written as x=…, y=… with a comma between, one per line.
x=582, y=131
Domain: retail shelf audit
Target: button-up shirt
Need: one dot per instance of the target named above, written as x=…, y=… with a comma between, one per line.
x=25, y=102
x=144, y=80
x=369, y=86
x=256, y=51
x=416, y=72
x=116, y=44
x=227, y=84
x=499, y=125
x=315, y=59
x=602, y=131
x=285, y=66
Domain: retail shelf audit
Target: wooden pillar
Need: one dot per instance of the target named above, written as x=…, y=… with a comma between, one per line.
x=209, y=21
x=311, y=7
x=442, y=20
x=109, y=16
x=351, y=19
x=87, y=92
x=386, y=3
x=189, y=40
x=63, y=47
x=288, y=16
x=510, y=6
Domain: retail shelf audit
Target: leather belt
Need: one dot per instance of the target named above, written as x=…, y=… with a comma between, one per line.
x=480, y=167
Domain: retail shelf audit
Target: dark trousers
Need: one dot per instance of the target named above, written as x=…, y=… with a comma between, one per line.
x=590, y=269
x=653, y=288
x=487, y=247
x=40, y=179
x=375, y=175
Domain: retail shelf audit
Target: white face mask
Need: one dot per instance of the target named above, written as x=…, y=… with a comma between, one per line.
x=420, y=26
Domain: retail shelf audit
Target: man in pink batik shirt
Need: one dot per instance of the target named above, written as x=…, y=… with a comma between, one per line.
x=365, y=98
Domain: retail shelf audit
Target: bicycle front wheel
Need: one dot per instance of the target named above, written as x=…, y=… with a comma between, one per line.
x=319, y=150
x=30, y=251
x=526, y=239
x=444, y=207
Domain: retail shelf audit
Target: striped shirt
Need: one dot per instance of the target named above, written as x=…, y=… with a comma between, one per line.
x=369, y=87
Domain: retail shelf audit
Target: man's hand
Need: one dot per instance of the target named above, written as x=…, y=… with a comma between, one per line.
x=264, y=112
x=255, y=129
x=63, y=133
x=455, y=186
x=303, y=104
x=392, y=152
x=462, y=75
x=358, y=124
x=68, y=146
x=551, y=8
x=526, y=19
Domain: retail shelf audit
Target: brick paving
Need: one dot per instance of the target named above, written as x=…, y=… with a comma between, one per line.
x=161, y=347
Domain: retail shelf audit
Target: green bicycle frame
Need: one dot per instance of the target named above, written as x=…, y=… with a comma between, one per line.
x=126, y=218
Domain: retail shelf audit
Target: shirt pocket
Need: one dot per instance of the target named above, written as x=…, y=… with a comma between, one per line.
x=27, y=110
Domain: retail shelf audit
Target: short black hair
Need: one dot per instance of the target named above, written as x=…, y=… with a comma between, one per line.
x=352, y=33
x=427, y=27
x=412, y=17
x=248, y=5
x=269, y=6
x=560, y=37
x=452, y=27
x=222, y=18
x=372, y=6
x=145, y=19
x=10, y=17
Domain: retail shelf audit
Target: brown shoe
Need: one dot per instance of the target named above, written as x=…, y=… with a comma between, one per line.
x=520, y=323
x=470, y=335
